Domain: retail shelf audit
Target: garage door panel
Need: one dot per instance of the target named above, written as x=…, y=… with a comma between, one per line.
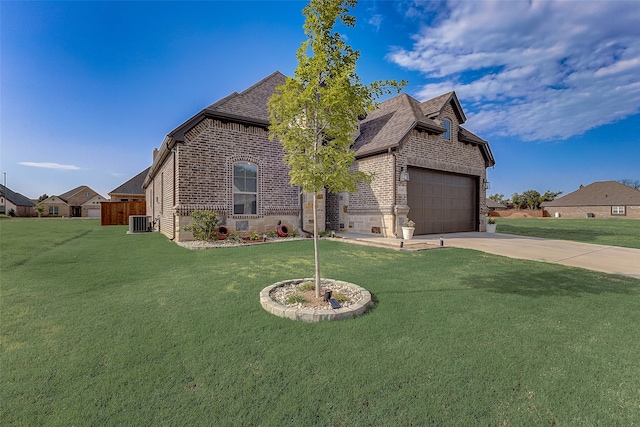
x=442, y=202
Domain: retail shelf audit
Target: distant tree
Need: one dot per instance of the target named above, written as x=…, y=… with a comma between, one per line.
x=43, y=197
x=39, y=210
x=315, y=113
x=497, y=198
x=633, y=183
x=518, y=201
x=532, y=199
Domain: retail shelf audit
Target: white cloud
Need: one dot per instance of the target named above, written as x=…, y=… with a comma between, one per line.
x=537, y=69
x=48, y=165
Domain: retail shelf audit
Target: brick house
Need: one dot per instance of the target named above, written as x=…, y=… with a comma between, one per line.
x=604, y=199
x=427, y=167
x=79, y=202
x=15, y=203
x=130, y=191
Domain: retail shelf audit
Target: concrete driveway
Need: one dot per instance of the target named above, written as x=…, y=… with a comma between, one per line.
x=607, y=259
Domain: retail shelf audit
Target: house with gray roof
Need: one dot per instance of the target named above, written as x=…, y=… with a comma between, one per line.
x=426, y=166
x=603, y=199
x=16, y=203
x=130, y=191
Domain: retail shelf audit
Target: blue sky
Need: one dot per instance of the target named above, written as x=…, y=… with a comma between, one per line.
x=88, y=89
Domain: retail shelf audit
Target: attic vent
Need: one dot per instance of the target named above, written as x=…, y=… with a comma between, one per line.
x=139, y=224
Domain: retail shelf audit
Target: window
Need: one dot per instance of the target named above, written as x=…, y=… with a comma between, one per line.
x=53, y=210
x=245, y=188
x=447, y=130
x=617, y=210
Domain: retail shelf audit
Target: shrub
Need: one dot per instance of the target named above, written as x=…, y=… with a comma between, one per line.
x=204, y=225
x=295, y=299
x=307, y=286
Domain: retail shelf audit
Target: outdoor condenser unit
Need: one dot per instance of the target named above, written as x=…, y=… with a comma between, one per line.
x=139, y=223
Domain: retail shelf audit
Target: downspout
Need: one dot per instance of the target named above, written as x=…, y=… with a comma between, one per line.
x=173, y=193
x=394, y=214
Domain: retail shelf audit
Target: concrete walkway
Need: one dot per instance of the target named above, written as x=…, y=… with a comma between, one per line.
x=607, y=259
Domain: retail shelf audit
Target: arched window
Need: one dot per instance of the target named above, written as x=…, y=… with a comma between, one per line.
x=447, y=129
x=245, y=188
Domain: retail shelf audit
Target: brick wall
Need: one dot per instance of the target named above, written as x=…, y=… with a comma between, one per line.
x=203, y=180
x=374, y=210
x=598, y=211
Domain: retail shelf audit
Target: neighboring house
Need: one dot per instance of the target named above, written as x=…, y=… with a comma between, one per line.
x=495, y=206
x=91, y=208
x=11, y=201
x=73, y=203
x=427, y=168
x=603, y=199
x=130, y=191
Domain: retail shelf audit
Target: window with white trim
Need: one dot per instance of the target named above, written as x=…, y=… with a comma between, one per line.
x=447, y=129
x=617, y=210
x=53, y=210
x=245, y=188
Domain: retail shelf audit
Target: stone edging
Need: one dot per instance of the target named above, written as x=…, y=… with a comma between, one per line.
x=310, y=315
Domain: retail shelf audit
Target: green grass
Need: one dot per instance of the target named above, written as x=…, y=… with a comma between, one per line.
x=103, y=328
x=602, y=231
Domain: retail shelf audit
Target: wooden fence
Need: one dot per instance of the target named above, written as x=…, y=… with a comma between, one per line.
x=117, y=213
x=519, y=213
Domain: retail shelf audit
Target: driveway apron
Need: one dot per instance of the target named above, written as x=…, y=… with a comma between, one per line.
x=607, y=259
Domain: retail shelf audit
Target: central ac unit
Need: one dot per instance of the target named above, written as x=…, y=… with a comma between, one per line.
x=139, y=224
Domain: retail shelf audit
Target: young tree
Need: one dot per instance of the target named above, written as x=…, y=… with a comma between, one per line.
x=39, y=210
x=315, y=113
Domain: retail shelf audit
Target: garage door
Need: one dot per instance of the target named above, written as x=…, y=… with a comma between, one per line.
x=93, y=213
x=442, y=202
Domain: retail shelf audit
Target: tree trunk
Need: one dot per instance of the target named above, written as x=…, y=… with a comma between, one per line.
x=315, y=243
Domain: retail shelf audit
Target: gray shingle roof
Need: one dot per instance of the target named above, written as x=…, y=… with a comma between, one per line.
x=65, y=196
x=15, y=198
x=133, y=186
x=387, y=125
x=602, y=193
x=434, y=106
x=252, y=102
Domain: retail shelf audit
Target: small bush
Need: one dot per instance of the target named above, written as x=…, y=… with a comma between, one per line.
x=204, y=225
x=235, y=237
x=294, y=233
x=296, y=299
x=272, y=233
x=340, y=297
x=307, y=286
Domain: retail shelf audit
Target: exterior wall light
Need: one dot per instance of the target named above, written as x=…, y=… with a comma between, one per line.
x=404, y=175
x=485, y=184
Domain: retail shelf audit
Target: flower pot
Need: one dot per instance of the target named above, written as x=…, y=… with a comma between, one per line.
x=491, y=228
x=407, y=232
x=283, y=231
x=223, y=232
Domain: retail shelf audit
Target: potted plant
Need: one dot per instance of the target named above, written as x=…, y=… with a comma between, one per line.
x=491, y=225
x=407, y=229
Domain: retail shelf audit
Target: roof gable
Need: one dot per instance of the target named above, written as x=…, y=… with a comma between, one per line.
x=387, y=125
x=602, y=193
x=434, y=107
x=133, y=186
x=71, y=193
x=96, y=200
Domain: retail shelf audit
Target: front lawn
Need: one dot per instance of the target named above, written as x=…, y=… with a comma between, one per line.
x=602, y=231
x=103, y=328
